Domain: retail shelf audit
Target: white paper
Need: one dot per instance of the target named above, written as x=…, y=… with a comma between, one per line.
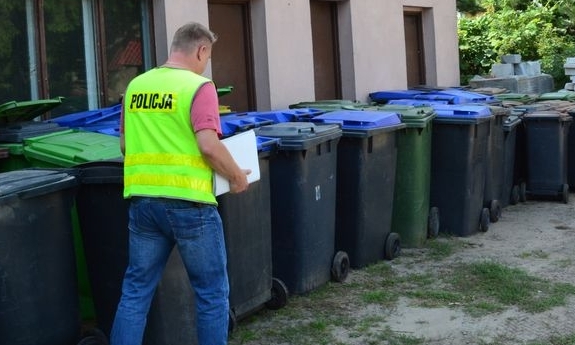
x=244, y=148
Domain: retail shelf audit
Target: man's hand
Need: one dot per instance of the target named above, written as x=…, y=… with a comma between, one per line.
x=240, y=184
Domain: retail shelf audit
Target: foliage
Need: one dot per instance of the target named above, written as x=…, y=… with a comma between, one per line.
x=536, y=29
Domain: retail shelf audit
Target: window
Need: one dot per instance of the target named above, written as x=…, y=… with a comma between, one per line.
x=84, y=50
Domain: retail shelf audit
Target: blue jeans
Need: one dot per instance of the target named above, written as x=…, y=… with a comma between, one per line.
x=156, y=225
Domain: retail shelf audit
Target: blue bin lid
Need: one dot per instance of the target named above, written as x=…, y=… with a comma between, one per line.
x=416, y=102
x=453, y=113
x=266, y=144
x=288, y=115
x=83, y=118
x=454, y=110
x=457, y=96
x=360, y=120
x=241, y=122
x=386, y=95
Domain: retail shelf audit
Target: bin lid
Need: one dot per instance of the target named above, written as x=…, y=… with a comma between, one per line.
x=412, y=116
x=416, y=102
x=362, y=123
x=457, y=96
x=241, y=122
x=454, y=113
x=224, y=90
x=330, y=105
x=72, y=147
x=266, y=144
x=529, y=108
x=28, y=110
x=387, y=95
x=300, y=135
x=28, y=183
x=511, y=122
x=18, y=131
x=14, y=149
x=560, y=95
x=109, y=171
x=549, y=115
x=88, y=117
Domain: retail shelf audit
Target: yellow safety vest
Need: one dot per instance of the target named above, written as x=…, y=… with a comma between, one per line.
x=162, y=156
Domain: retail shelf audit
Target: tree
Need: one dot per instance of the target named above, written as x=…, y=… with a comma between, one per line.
x=536, y=29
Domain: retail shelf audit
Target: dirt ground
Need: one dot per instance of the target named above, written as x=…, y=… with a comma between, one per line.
x=535, y=236
x=544, y=227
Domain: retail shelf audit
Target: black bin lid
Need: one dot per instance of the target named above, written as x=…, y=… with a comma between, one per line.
x=28, y=183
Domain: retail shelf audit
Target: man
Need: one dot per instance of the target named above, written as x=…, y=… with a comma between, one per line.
x=170, y=139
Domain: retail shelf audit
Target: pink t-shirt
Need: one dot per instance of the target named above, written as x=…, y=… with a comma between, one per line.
x=205, y=112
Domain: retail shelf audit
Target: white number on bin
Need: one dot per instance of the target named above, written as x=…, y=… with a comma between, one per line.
x=317, y=193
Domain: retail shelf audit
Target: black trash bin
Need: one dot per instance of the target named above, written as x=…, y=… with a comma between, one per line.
x=511, y=191
x=39, y=290
x=366, y=166
x=303, y=198
x=571, y=154
x=458, y=159
x=103, y=215
x=494, y=163
x=546, y=134
x=247, y=225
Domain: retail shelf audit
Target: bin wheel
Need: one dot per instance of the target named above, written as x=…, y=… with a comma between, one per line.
x=232, y=321
x=565, y=193
x=484, y=221
x=340, y=267
x=523, y=192
x=514, y=199
x=96, y=333
x=279, y=295
x=392, y=246
x=433, y=223
x=494, y=211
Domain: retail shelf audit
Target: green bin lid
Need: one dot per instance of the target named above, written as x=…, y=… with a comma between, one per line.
x=72, y=147
x=222, y=91
x=330, y=105
x=550, y=115
x=14, y=149
x=412, y=116
x=25, y=111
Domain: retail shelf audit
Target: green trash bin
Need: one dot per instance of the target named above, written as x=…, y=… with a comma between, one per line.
x=16, y=159
x=67, y=149
x=412, y=217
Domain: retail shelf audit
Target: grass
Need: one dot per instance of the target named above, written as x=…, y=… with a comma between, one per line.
x=557, y=340
x=478, y=288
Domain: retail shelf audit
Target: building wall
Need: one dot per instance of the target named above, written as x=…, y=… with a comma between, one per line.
x=372, y=45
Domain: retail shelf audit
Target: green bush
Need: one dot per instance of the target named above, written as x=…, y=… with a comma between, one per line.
x=536, y=31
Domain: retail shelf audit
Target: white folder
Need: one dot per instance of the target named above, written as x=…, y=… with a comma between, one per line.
x=243, y=147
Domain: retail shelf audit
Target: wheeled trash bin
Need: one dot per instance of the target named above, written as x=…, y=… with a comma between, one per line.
x=458, y=160
x=366, y=166
x=546, y=136
x=38, y=285
x=303, y=177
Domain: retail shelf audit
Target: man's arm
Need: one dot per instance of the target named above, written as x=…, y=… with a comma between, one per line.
x=220, y=159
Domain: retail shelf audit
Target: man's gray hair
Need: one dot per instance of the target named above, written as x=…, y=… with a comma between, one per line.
x=190, y=35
